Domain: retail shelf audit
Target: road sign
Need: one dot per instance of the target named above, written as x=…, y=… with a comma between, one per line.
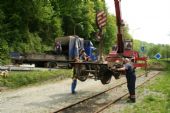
x=101, y=19
x=158, y=56
x=142, y=49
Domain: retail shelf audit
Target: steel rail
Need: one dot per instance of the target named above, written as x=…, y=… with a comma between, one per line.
x=113, y=102
x=81, y=101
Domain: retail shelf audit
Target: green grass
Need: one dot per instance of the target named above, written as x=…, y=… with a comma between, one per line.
x=18, y=79
x=156, y=98
x=158, y=64
x=165, y=59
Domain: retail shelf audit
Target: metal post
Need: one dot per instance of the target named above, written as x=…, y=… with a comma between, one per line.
x=146, y=71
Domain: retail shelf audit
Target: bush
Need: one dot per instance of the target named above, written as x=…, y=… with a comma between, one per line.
x=4, y=50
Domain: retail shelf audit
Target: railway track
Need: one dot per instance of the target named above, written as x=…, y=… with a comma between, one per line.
x=101, y=101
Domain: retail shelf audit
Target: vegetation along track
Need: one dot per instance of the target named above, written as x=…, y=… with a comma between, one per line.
x=99, y=102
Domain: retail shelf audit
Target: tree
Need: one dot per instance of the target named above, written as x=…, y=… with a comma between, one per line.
x=33, y=25
x=110, y=34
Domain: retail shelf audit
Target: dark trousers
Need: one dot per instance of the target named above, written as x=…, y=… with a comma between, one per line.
x=131, y=79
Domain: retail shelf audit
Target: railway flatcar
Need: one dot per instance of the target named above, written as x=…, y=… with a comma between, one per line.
x=70, y=46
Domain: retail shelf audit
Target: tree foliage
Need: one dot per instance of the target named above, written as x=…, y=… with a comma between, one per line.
x=110, y=34
x=33, y=25
x=151, y=49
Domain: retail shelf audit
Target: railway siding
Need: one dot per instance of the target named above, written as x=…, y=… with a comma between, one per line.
x=50, y=97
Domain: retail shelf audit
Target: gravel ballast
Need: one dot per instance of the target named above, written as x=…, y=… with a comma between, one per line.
x=50, y=97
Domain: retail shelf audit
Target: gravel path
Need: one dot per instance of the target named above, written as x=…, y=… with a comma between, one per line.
x=96, y=104
x=49, y=97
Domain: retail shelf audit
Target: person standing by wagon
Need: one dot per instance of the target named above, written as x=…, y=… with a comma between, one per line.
x=131, y=78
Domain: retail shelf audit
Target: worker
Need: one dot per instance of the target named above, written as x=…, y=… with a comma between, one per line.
x=73, y=85
x=128, y=45
x=82, y=57
x=131, y=78
x=58, y=48
x=74, y=78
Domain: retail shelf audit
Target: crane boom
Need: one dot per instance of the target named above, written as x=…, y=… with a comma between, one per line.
x=120, y=25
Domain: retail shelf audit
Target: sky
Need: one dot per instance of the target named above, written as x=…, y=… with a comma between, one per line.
x=148, y=20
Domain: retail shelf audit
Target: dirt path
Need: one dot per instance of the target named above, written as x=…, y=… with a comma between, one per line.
x=49, y=97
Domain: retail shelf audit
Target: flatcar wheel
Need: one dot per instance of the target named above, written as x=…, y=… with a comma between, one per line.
x=105, y=75
x=51, y=64
x=106, y=79
x=116, y=74
x=81, y=74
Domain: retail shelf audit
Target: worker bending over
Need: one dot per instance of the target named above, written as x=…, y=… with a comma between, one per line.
x=82, y=58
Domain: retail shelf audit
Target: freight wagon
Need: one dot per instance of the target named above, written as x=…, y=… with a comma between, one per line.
x=70, y=45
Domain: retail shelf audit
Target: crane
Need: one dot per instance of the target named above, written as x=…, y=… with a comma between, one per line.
x=104, y=71
x=120, y=25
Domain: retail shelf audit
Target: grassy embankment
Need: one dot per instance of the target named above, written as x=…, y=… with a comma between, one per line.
x=18, y=79
x=154, y=97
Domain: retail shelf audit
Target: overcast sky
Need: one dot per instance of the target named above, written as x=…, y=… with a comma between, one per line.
x=148, y=20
